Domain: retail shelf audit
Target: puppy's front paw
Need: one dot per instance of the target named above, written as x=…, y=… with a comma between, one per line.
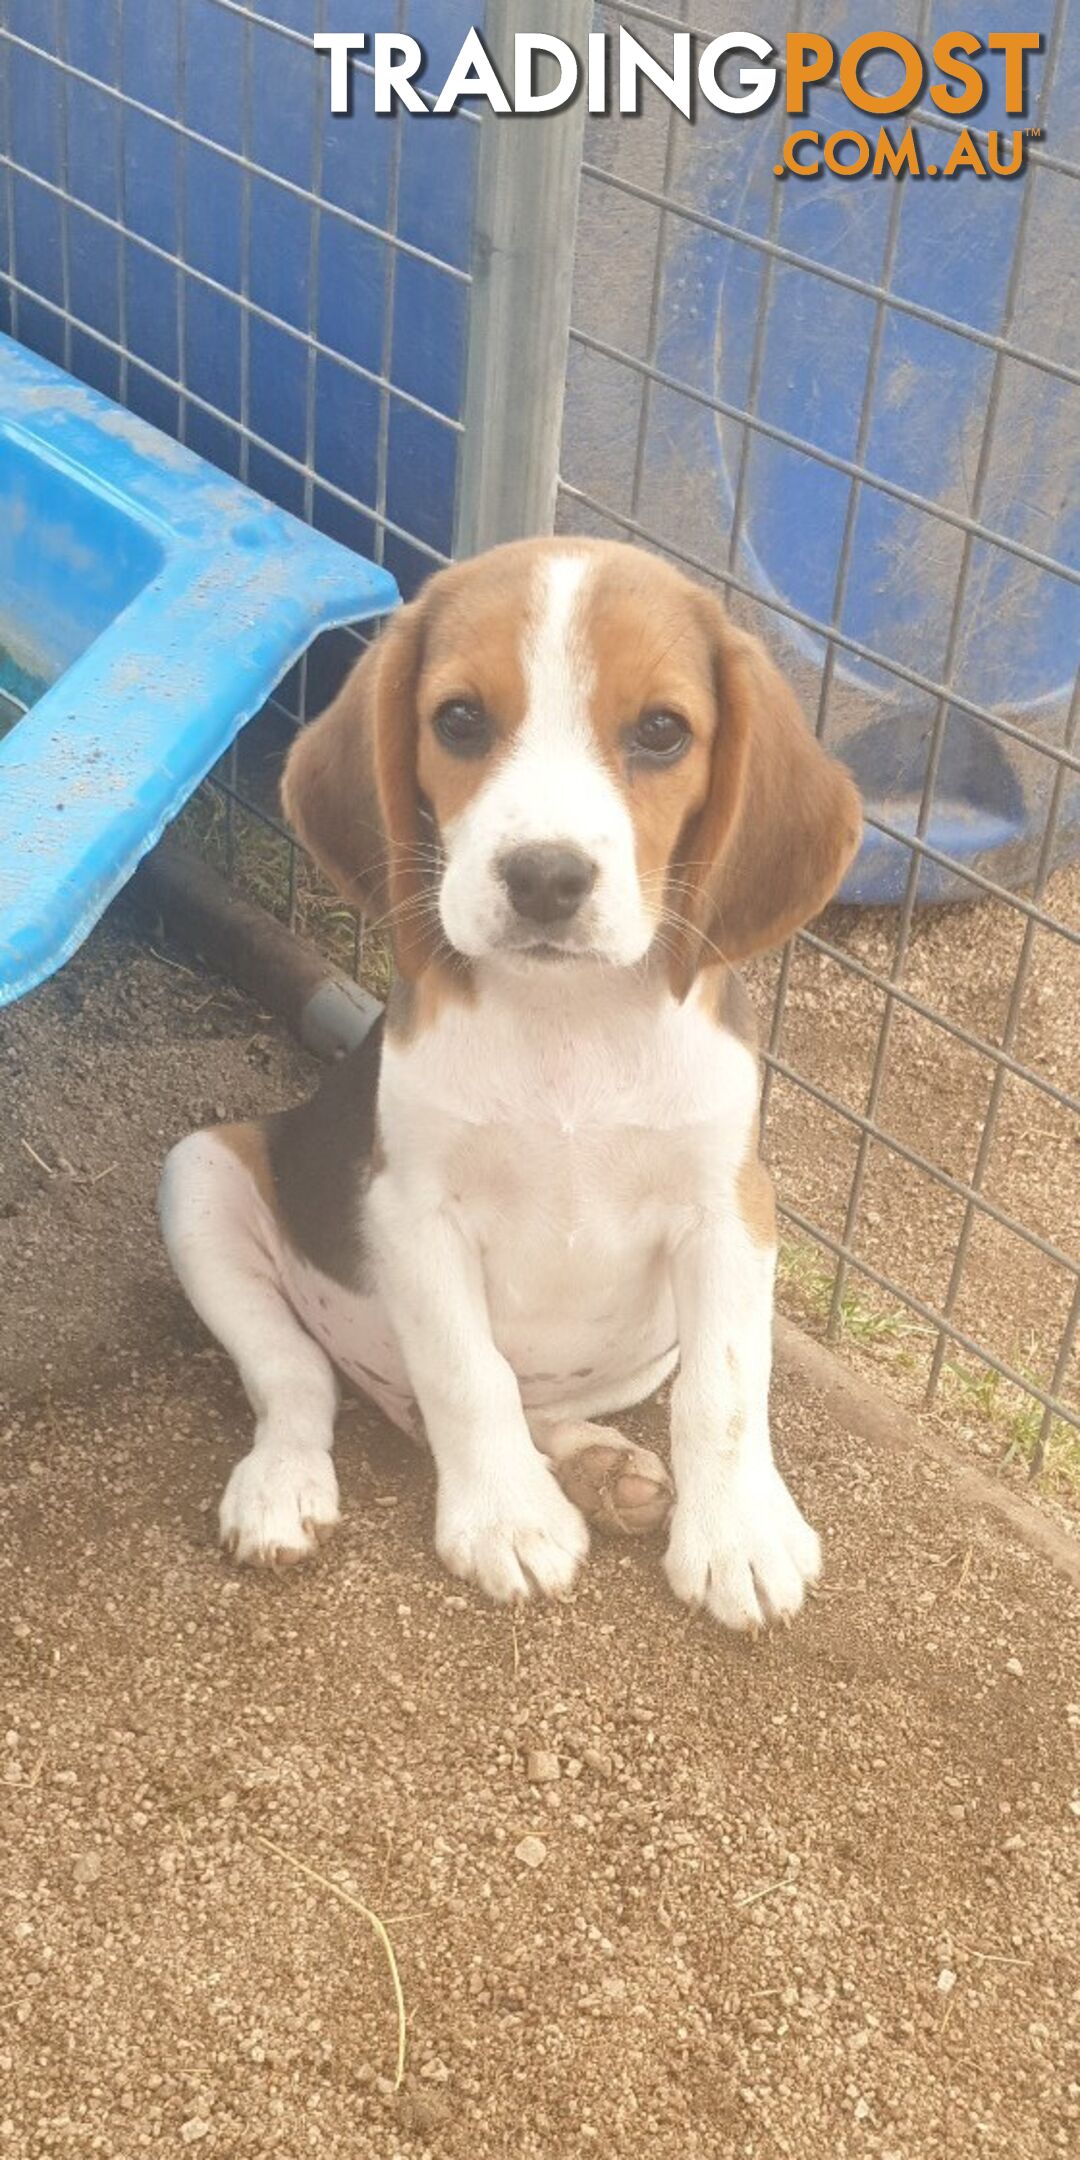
x=279, y=1505
x=514, y=1539
x=740, y=1548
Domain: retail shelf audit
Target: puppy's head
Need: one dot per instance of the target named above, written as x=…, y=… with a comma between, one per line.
x=563, y=754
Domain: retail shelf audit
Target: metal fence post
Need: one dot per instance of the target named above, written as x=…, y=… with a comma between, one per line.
x=523, y=266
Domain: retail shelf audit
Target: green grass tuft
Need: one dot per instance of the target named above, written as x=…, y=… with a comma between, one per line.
x=1011, y=1416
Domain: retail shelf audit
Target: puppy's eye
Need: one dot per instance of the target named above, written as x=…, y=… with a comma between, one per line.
x=463, y=727
x=660, y=737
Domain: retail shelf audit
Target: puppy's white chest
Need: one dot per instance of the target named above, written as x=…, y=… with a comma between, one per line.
x=570, y=1154
x=561, y=1204
x=572, y=1236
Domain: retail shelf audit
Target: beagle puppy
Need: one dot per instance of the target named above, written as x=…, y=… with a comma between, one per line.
x=578, y=795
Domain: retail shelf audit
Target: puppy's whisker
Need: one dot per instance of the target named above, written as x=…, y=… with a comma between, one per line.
x=683, y=923
x=418, y=907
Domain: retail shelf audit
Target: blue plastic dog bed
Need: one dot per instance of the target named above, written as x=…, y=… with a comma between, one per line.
x=148, y=607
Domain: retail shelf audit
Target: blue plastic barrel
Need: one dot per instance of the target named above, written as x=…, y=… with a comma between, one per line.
x=1001, y=632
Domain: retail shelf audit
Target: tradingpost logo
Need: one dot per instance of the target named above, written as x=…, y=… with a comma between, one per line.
x=739, y=73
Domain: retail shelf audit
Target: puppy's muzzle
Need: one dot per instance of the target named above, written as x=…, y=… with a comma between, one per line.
x=547, y=881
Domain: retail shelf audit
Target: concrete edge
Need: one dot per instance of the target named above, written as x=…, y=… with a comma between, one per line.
x=331, y=1014
x=867, y=1415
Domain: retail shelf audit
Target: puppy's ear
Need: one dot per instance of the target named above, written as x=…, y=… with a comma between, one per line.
x=349, y=788
x=781, y=821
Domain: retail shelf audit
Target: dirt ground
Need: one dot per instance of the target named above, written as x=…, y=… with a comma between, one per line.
x=815, y=1897
x=1012, y=1299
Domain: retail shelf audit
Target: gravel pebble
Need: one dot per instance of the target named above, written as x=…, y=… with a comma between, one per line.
x=531, y=1851
x=541, y=1766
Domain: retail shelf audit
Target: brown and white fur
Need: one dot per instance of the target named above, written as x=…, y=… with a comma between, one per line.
x=537, y=1190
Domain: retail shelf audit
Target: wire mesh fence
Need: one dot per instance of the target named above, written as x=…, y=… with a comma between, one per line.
x=920, y=1112
x=184, y=224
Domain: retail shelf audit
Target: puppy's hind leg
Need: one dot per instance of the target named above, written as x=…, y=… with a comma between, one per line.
x=282, y=1499
x=617, y=1486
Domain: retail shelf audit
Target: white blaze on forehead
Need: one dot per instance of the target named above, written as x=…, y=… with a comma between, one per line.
x=553, y=786
x=559, y=675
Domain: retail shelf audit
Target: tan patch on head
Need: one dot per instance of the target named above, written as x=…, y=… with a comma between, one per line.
x=747, y=835
x=357, y=779
x=738, y=841
x=248, y=1144
x=474, y=651
x=642, y=640
x=650, y=652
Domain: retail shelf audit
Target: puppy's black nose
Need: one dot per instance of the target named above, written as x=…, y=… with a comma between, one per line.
x=548, y=881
